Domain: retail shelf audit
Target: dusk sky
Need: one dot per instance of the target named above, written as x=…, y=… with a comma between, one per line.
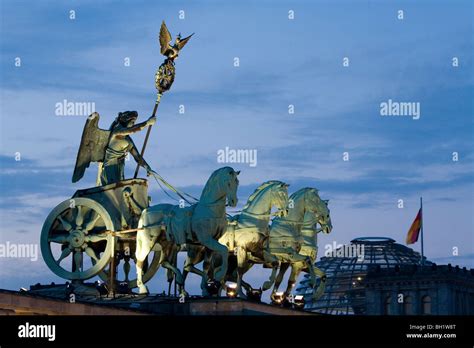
x=424, y=58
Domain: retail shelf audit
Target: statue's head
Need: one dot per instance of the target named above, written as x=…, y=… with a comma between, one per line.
x=125, y=119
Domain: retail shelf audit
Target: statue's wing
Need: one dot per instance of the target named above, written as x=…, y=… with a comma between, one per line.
x=184, y=41
x=165, y=38
x=93, y=144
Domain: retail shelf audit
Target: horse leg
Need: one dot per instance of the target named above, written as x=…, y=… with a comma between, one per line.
x=197, y=271
x=268, y=257
x=169, y=273
x=206, y=266
x=268, y=284
x=212, y=244
x=143, y=247
x=241, y=268
x=279, y=278
x=178, y=276
x=195, y=255
x=170, y=276
x=188, y=263
x=193, y=258
x=312, y=273
x=215, y=261
x=246, y=286
x=296, y=269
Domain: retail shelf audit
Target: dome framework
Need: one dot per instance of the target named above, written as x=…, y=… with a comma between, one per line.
x=344, y=293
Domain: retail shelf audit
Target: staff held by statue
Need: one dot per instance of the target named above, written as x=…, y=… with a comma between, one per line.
x=165, y=74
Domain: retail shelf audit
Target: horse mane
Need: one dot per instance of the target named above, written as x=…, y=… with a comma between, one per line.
x=299, y=194
x=211, y=181
x=258, y=190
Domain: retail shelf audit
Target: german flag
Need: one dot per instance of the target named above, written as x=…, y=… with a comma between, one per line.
x=414, y=232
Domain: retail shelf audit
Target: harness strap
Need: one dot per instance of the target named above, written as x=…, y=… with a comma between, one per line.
x=181, y=194
x=251, y=229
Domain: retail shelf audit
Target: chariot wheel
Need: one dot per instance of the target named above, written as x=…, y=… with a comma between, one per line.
x=76, y=227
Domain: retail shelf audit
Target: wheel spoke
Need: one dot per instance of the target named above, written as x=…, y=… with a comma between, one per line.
x=90, y=225
x=91, y=253
x=78, y=261
x=79, y=216
x=67, y=226
x=61, y=239
x=64, y=254
x=95, y=237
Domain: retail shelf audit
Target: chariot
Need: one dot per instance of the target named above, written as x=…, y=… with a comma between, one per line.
x=94, y=232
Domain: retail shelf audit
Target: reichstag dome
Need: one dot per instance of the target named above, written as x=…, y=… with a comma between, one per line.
x=347, y=276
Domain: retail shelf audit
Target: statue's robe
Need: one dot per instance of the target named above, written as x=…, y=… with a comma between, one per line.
x=113, y=169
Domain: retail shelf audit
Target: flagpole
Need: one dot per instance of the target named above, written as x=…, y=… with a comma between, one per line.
x=422, y=246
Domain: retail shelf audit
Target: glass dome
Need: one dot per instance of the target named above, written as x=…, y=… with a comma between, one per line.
x=347, y=267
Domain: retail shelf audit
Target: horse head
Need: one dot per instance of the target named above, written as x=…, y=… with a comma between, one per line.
x=325, y=218
x=280, y=198
x=320, y=208
x=230, y=183
x=272, y=193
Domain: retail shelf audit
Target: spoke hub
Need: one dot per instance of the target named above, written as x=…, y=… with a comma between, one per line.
x=76, y=239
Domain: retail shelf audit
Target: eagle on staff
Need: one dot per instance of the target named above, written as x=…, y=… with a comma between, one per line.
x=110, y=147
x=164, y=77
x=168, y=50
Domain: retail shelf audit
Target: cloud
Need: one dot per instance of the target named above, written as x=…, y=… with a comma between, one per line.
x=461, y=260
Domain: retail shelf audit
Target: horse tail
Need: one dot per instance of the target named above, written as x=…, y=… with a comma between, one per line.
x=322, y=284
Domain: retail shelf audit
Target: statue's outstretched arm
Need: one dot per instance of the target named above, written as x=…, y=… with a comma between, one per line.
x=136, y=128
x=136, y=155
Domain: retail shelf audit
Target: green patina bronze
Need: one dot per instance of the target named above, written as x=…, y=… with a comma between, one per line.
x=113, y=224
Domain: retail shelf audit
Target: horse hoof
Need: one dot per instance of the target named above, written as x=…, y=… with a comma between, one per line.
x=213, y=287
x=142, y=290
x=267, y=285
x=254, y=295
